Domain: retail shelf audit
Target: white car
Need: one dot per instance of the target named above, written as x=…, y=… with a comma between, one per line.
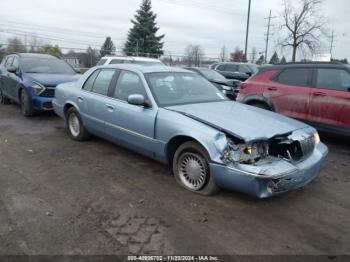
x=110, y=60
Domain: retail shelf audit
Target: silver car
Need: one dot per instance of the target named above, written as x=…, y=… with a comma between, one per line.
x=177, y=117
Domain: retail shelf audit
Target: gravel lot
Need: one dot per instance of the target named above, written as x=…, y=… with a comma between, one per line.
x=58, y=196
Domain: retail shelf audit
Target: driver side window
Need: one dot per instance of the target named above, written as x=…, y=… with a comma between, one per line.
x=129, y=83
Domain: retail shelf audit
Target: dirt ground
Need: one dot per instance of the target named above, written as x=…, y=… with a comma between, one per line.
x=58, y=196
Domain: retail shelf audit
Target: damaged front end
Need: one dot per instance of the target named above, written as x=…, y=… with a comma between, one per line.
x=267, y=167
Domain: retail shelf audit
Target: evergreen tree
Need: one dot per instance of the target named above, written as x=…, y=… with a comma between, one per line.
x=142, y=39
x=274, y=59
x=261, y=60
x=283, y=60
x=108, y=47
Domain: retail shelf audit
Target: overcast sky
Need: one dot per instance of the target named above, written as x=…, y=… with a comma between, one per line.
x=212, y=24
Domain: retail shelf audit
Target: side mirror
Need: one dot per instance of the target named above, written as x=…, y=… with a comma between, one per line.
x=77, y=70
x=12, y=69
x=249, y=73
x=137, y=100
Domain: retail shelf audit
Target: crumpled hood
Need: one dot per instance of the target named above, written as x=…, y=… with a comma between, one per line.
x=246, y=122
x=52, y=80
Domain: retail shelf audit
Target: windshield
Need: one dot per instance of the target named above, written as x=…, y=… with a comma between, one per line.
x=171, y=88
x=254, y=68
x=211, y=74
x=46, y=66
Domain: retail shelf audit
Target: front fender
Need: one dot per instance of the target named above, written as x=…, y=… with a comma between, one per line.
x=170, y=125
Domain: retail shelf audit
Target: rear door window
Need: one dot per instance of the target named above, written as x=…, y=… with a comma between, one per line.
x=294, y=77
x=231, y=68
x=221, y=67
x=103, y=81
x=329, y=78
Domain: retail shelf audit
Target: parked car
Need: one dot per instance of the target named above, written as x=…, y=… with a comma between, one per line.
x=229, y=87
x=177, y=117
x=239, y=71
x=317, y=93
x=113, y=60
x=30, y=80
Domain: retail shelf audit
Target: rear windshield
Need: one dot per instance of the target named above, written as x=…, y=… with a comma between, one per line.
x=102, y=61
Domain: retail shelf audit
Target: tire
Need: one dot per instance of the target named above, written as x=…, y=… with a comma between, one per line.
x=191, y=169
x=26, y=107
x=75, y=127
x=4, y=100
x=261, y=105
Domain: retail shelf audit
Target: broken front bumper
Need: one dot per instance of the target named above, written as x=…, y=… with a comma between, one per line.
x=233, y=178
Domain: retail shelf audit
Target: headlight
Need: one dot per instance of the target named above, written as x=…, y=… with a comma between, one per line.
x=317, y=138
x=37, y=88
x=245, y=153
x=227, y=88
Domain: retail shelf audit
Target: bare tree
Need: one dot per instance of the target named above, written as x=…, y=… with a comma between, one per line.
x=194, y=55
x=304, y=25
x=223, y=54
x=34, y=42
x=15, y=45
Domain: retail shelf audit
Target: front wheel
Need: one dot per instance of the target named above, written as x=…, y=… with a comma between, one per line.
x=26, y=107
x=76, y=129
x=191, y=169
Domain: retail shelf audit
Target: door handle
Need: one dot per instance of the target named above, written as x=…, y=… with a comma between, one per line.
x=319, y=94
x=110, y=108
x=272, y=88
x=80, y=99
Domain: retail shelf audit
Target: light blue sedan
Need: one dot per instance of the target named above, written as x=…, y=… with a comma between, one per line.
x=177, y=117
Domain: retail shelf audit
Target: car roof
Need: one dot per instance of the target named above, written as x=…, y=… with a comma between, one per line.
x=135, y=58
x=309, y=64
x=147, y=68
x=235, y=63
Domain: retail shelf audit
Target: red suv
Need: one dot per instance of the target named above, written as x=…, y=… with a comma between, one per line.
x=317, y=93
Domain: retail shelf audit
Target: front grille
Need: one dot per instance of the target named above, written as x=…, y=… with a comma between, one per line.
x=295, y=150
x=48, y=92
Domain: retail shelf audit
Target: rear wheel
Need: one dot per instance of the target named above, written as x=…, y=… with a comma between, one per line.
x=75, y=127
x=3, y=99
x=26, y=107
x=261, y=105
x=191, y=169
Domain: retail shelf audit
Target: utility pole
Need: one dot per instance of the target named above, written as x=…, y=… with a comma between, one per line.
x=247, y=31
x=268, y=35
x=332, y=42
